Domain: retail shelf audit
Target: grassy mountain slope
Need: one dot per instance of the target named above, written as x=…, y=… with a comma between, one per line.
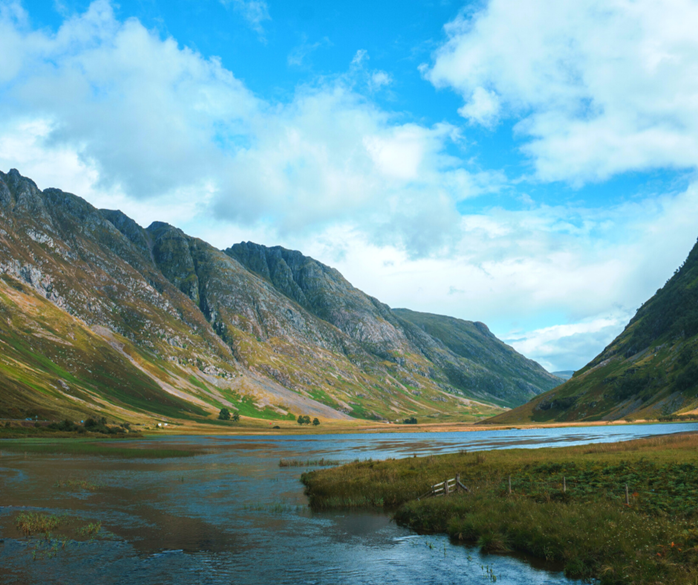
x=473, y=348
x=101, y=316
x=649, y=370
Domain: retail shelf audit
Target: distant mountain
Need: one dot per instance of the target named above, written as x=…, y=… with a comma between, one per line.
x=564, y=374
x=649, y=370
x=99, y=315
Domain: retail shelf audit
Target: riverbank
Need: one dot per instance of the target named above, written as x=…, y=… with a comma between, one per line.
x=252, y=426
x=567, y=505
x=334, y=427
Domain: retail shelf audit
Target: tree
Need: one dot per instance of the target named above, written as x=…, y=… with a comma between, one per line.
x=410, y=421
x=316, y=422
x=303, y=420
x=224, y=414
x=236, y=417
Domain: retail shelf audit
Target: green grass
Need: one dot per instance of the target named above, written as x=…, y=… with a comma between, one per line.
x=308, y=463
x=94, y=448
x=588, y=528
x=246, y=407
x=29, y=523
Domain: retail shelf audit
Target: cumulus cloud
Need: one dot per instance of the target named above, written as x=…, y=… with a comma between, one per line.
x=153, y=119
x=599, y=87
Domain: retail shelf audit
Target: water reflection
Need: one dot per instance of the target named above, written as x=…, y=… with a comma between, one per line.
x=231, y=514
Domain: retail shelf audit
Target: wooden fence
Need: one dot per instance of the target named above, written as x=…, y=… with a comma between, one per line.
x=453, y=485
x=445, y=488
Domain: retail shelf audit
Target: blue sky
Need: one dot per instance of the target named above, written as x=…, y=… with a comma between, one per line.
x=526, y=163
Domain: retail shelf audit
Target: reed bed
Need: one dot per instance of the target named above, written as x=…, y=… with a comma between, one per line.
x=308, y=462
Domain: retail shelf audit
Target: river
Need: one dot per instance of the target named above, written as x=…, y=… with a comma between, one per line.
x=232, y=515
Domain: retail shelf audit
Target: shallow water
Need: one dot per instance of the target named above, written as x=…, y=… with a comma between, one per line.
x=233, y=515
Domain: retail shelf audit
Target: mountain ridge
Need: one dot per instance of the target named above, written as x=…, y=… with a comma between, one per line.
x=265, y=331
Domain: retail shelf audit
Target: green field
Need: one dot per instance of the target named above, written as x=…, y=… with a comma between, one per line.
x=104, y=447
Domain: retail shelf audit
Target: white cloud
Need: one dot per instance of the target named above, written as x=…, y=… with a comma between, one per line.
x=482, y=108
x=152, y=119
x=601, y=86
x=568, y=347
x=379, y=79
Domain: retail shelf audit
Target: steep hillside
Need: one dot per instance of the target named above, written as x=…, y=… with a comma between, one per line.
x=477, y=359
x=649, y=370
x=463, y=356
x=99, y=315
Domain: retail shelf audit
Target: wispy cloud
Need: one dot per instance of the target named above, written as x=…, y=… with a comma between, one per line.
x=298, y=55
x=255, y=12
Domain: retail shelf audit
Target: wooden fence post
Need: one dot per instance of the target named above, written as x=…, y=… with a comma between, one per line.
x=446, y=488
x=510, y=485
x=627, y=496
x=564, y=484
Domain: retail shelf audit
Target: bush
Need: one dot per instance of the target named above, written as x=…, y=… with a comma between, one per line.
x=316, y=422
x=98, y=426
x=224, y=414
x=66, y=426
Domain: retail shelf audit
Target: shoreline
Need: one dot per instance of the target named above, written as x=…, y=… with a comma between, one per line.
x=251, y=428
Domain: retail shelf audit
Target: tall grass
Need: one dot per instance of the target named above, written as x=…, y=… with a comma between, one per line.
x=30, y=523
x=587, y=527
x=308, y=462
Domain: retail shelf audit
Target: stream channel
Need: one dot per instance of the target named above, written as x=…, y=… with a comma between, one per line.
x=232, y=515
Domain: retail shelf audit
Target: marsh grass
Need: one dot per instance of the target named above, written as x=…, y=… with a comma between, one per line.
x=73, y=484
x=50, y=533
x=273, y=508
x=90, y=448
x=91, y=529
x=588, y=528
x=308, y=463
x=34, y=523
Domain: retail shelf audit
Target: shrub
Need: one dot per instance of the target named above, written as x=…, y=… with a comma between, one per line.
x=224, y=414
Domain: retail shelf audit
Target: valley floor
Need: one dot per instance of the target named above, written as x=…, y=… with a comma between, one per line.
x=250, y=426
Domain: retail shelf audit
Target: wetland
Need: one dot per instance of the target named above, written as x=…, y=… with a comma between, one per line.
x=223, y=509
